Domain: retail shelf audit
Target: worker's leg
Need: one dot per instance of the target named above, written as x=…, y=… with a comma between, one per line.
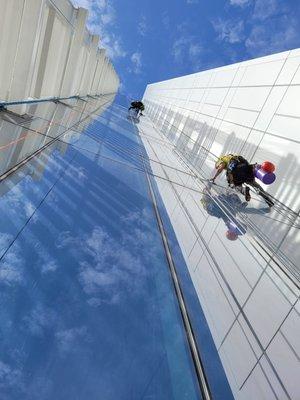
x=244, y=190
x=262, y=193
x=240, y=188
x=256, y=185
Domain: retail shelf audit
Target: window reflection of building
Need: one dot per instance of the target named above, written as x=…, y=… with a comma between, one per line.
x=22, y=136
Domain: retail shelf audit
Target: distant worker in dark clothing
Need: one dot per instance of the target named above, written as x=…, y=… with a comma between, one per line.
x=239, y=171
x=138, y=107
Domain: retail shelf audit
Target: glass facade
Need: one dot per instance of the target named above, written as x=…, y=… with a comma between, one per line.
x=88, y=306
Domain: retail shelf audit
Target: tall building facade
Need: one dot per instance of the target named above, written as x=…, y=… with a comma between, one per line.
x=47, y=51
x=248, y=288
x=88, y=306
x=117, y=276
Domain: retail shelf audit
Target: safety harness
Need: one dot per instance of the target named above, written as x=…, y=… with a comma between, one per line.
x=239, y=171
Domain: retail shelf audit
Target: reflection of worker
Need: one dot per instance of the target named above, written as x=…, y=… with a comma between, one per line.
x=240, y=171
x=228, y=202
x=138, y=107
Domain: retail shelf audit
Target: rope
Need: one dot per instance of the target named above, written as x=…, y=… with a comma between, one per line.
x=278, y=205
x=291, y=267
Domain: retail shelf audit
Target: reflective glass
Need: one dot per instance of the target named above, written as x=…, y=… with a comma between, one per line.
x=88, y=308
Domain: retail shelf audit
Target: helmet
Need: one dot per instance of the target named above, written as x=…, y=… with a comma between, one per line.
x=231, y=235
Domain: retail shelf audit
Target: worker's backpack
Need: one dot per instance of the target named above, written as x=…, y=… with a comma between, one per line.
x=239, y=171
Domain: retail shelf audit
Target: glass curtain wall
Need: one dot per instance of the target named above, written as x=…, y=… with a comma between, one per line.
x=88, y=307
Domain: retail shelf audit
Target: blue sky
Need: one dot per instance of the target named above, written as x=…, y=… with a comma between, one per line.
x=150, y=41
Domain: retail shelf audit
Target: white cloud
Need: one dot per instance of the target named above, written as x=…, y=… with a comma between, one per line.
x=10, y=377
x=109, y=268
x=16, y=201
x=166, y=20
x=67, y=339
x=93, y=280
x=195, y=49
x=82, y=3
x=102, y=21
x=97, y=302
x=10, y=274
x=274, y=28
x=136, y=60
x=112, y=263
x=229, y=31
x=65, y=239
x=113, y=46
x=142, y=26
x=78, y=173
x=45, y=262
x=271, y=27
x=29, y=209
x=50, y=266
x=264, y=9
x=240, y=3
x=94, y=302
x=11, y=266
x=122, y=87
x=105, y=11
x=40, y=319
x=5, y=240
x=264, y=40
x=187, y=49
x=91, y=4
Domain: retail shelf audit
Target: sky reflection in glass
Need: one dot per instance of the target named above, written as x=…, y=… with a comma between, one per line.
x=87, y=306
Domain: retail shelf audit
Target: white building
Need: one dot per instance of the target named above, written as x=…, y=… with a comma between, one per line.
x=248, y=288
x=47, y=51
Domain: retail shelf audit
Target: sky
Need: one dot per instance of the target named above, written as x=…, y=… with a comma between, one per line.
x=150, y=41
